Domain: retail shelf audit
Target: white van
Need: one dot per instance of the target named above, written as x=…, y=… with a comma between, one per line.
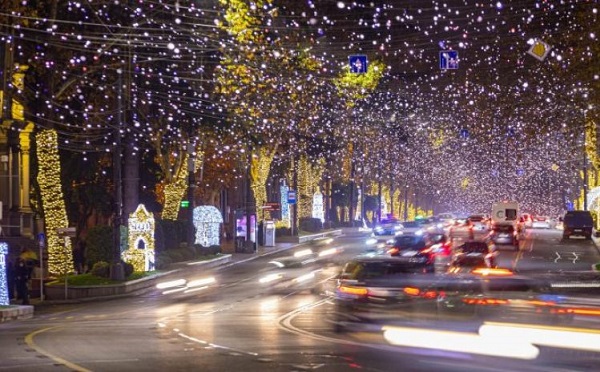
x=505, y=213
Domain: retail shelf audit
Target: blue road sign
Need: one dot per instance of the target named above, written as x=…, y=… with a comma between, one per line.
x=449, y=60
x=464, y=133
x=358, y=64
x=291, y=197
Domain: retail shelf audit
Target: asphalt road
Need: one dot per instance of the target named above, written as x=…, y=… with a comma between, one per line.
x=241, y=324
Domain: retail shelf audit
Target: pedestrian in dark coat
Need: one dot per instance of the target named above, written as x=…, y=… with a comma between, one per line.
x=10, y=279
x=22, y=281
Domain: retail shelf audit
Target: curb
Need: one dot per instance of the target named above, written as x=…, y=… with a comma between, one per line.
x=15, y=312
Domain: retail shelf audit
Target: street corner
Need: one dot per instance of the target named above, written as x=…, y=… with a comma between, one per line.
x=15, y=312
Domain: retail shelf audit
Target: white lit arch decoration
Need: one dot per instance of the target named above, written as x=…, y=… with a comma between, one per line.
x=318, y=210
x=207, y=221
x=4, y=300
x=140, y=247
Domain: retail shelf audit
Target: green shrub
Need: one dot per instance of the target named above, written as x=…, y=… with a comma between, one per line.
x=101, y=269
x=99, y=245
x=162, y=262
x=311, y=224
x=173, y=233
x=127, y=269
x=206, y=251
x=283, y=231
x=596, y=267
x=187, y=254
x=174, y=255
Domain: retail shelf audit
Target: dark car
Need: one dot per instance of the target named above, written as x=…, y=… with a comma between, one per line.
x=415, y=250
x=387, y=227
x=371, y=289
x=474, y=254
x=504, y=235
x=578, y=223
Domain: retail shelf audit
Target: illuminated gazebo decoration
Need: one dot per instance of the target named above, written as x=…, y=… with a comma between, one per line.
x=207, y=221
x=318, y=210
x=4, y=300
x=285, y=206
x=140, y=252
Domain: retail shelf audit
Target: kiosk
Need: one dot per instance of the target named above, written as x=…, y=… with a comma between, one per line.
x=269, y=233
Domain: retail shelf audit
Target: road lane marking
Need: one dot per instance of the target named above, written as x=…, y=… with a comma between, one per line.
x=29, y=341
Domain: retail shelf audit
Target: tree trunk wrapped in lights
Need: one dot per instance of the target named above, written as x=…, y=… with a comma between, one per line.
x=259, y=173
x=60, y=255
x=174, y=190
x=309, y=177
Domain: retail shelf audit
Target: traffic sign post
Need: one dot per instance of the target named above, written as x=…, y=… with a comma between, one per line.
x=292, y=197
x=358, y=64
x=449, y=60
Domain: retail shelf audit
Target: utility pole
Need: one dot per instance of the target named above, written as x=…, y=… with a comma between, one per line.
x=116, y=270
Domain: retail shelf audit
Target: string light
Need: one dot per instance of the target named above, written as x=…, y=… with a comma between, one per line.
x=60, y=254
x=140, y=252
x=4, y=299
x=207, y=221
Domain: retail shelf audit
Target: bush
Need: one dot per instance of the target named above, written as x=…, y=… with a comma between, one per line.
x=99, y=244
x=174, y=255
x=283, y=231
x=127, y=268
x=162, y=262
x=101, y=269
x=311, y=224
x=206, y=251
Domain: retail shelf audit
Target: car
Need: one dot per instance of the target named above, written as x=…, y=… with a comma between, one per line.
x=371, y=290
x=387, y=227
x=414, y=249
x=467, y=262
x=526, y=220
x=504, y=235
x=473, y=249
x=447, y=219
x=578, y=223
x=479, y=222
x=462, y=229
x=292, y=274
x=411, y=227
x=542, y=222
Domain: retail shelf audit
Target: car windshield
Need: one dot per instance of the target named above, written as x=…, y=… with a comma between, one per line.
x=373, y=270
x=475, y=247
x=504, y=228
x=476, y=218
x=409, y=241
x=410, y=224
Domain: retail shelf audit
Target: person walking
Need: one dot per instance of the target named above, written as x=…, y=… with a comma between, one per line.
x=10, y=279
x=22, y=281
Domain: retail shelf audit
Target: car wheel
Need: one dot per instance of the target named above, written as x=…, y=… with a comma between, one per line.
x=588, y=237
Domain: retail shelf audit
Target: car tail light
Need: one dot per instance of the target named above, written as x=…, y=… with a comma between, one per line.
x=485, y=301
x=357, y=291
x=393, y=251
x=411, y=291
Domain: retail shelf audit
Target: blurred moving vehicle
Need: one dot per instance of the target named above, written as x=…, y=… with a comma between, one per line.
x=462, y=228
x=475, y=250
x=447, y=219
x=542, y=222
x=387, y=227
x=526, y=220
x=411, y=227
x=504, y=235
x=371, y=293
x=371, y=290
x=578, y=223
x=291, y=274
x=468, y=262
x=414, y=249
x=479, y=222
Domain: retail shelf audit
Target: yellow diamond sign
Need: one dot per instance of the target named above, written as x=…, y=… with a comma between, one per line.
x=539, y=50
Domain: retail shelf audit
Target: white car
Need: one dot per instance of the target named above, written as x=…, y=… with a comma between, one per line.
x=462, y=229
x=541, y=222
x=411, y=227
x=479, y=222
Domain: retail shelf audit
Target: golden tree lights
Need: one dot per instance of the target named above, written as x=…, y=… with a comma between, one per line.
x=60, y=255
x=174, y=191
x=259, y=173
x=309, y=177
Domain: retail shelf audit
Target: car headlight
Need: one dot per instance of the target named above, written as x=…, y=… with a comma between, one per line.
x=397, y=227
x=371, y=241
x=419, y=232
x=379, y=228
